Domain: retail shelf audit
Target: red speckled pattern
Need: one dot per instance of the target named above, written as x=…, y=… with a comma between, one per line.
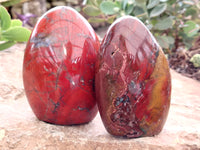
x=59, y=67
x=133, y=84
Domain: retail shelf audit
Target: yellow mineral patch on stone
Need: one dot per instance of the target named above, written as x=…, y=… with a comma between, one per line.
x=2, y=134
x=161, y=74
x=156, y=106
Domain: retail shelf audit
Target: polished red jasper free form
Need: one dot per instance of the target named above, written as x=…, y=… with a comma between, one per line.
x=132, y=80
x=59, y=68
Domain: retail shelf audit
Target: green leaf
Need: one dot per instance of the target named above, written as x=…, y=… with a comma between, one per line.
x=187, y=41
x=2, y=38
x=129, y=9
x=140, y=2
x=96, y=20
x=164, y=24
x=154, y=21
x=162, y=42
x=9, y=3
x=190, y=12
x=170, y=39
x=118, y=3
x=170, y=9
x=170, y=2
x=190, y=28
x=5, y=19
x=99, y=2
x=152, y=3
x=138, y=10
x=91, y=10
x=165, y=41
x=19, y=34
x=124, y=3
x=195, y=60
x=109, y=7
x=158, y=10
x=6, y=45
x=15, y=22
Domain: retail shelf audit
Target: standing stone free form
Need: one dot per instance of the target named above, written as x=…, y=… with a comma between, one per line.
x=59, y=68
x=132, y=80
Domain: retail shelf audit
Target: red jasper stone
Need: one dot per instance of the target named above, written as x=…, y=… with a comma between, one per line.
x=132, y=80
x=59, y=68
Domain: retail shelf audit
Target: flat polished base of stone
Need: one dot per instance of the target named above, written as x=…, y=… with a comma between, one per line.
x=20, y=129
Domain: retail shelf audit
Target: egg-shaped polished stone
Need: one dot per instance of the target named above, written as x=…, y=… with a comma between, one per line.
x=59, y=68
x=132, y=80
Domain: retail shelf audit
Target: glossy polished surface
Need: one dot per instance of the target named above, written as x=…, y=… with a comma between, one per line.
x=59, y=67
x=133, y=83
